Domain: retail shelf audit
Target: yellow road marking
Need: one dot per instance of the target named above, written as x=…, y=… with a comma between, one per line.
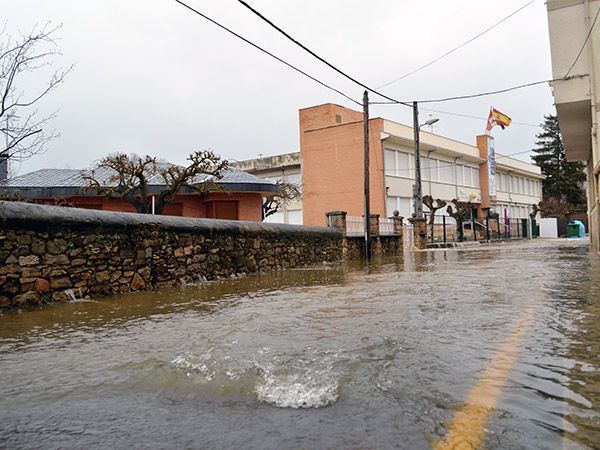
x=468, y=424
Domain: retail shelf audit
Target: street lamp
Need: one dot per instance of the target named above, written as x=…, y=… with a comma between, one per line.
x=418, y=191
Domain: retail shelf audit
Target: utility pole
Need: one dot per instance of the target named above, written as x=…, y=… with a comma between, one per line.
x=366, y=190
x=418, y=189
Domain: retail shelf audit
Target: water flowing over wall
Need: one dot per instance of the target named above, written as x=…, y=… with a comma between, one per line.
x=50, y=253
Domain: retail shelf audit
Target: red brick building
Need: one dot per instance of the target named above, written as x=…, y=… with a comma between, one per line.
x=240, y=197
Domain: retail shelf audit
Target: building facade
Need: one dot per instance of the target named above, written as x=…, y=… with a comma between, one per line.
x=331, y=142
x=575, y=50
x=331, y=164
x=279, y=168
x=238, y=197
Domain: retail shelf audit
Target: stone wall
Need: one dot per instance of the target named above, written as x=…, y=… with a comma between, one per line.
x=51, y=253
x=380, y=246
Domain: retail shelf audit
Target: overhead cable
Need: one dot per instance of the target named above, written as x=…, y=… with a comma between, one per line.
x=457, y=48
x=256, y=46
x=324, y=61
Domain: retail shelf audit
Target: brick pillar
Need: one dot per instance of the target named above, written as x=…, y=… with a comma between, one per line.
x=420, y=232
x=398, y=225
x=374, y=225
x=337, y=219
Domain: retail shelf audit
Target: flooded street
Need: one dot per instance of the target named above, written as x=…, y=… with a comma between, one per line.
x=496, y=346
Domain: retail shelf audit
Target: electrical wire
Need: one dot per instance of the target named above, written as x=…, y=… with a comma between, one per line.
x=256, y=46
x=324, y=61
x=467, y=116
x=484, y=94
x=457, y=48
x=584, y=43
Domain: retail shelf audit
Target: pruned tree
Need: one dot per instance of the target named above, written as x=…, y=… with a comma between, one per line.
x=286, y=192
x=200, y=174
x=123, y=176
x=460, y=213
x=128, y=177
x=434, y=206
x=22, y=130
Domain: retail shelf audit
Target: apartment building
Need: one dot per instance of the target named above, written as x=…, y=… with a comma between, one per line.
x=575, y=50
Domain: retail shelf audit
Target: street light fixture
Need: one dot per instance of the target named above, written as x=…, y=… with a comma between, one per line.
x=418, y=191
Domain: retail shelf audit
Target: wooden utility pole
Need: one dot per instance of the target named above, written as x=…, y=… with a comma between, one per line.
x=367, y=190
x=418, y=190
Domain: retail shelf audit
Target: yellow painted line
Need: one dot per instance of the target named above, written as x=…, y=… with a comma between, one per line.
x=467, y=428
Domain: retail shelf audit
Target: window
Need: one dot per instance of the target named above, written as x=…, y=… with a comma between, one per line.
x=295, y=179
x=294, y=216
x=275, y=218
x=398, y=164
x=402, y=204
x=434, y=171
x=475, y=171
x=460, y=175
x=447, y=172
x=425, y=168
x=389, y=161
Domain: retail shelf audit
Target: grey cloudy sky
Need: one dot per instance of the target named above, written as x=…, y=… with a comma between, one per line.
x=151, y=77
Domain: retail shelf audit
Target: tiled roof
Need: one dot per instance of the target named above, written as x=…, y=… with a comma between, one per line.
x=73, y=178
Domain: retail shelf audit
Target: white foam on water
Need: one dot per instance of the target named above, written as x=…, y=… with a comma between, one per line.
x=292, y=391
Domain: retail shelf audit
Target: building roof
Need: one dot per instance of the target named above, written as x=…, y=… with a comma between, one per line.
x=50, y=182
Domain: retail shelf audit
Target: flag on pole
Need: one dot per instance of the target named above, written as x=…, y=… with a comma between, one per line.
x=497, y=118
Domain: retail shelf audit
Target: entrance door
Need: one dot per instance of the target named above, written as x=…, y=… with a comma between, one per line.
x=224, y=209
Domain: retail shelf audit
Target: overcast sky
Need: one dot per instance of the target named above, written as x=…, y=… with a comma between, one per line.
x=152, y=78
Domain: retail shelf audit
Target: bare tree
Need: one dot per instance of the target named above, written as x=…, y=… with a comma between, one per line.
x=460, y=212
x=433, y=206
x=23, y=128
x=128, y=177
x=286, y=192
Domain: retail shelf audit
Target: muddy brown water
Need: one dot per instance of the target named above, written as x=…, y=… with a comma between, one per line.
x=328, y=357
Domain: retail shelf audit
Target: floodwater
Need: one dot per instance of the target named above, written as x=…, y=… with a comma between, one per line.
x=332, y=357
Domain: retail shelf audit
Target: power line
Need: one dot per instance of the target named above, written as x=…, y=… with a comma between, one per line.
x=256, y=46
x=483, y=94
x=457, y=48
x=584, y=43
x=467, y=116
x=324, y=61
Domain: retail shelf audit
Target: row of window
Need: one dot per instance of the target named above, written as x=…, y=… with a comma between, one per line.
x=404, y=205
x=291, y=178
x=294, y=217
x=513, y=211
x=400, y=164
x=518, y=185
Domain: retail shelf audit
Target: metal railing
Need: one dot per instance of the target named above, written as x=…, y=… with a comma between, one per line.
x=386, y=227
x=355, y=226
x=446, y=229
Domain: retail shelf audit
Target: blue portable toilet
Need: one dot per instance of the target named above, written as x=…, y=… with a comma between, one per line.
x=575, y=228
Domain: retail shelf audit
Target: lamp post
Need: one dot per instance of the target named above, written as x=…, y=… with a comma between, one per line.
x=418, y=190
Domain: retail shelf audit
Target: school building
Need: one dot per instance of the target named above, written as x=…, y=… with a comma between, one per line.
x=330, y=165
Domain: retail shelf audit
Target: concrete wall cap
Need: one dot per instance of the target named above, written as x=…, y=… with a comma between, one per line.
x=33, y=214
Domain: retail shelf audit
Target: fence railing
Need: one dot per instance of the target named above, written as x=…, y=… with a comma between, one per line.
x=447, y=229
x=386, y=227
x=355, y=226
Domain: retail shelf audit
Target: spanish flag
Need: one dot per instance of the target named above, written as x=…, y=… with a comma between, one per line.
x=497, y=118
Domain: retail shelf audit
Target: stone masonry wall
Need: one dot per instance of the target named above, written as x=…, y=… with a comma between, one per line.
x=51, y=253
